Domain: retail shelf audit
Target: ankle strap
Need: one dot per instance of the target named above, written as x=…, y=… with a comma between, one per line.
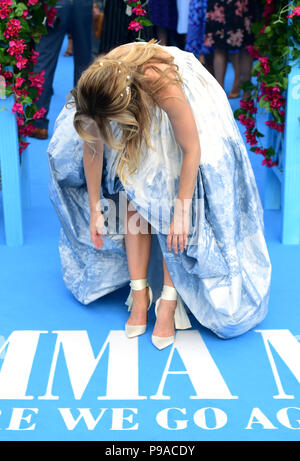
x=169, y=293
x=138, y=284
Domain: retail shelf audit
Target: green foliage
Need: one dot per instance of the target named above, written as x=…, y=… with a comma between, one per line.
x=17, y=63
x=277, y=48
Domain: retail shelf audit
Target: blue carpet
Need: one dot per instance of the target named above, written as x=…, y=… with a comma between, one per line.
x=248, y=373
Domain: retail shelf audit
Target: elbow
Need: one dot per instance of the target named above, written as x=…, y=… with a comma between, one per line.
x=192, y=156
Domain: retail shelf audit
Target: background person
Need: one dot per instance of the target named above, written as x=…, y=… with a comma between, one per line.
x=75, y=17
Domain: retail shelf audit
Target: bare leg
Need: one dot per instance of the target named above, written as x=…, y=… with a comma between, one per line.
x=209, y=63
x=164, y=325
x=236, y=88
x=220, y=64
x=69, y=51
x=246, y=67
x=138, y=247
x=162, y=33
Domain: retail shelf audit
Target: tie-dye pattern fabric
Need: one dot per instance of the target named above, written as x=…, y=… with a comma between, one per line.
x=196, y=28
x=224, y=274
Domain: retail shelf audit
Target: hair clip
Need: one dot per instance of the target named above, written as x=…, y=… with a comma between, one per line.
x=100, y=63
x=127, y=89
x=121, y=94
x=128, y=77
x=119, y=62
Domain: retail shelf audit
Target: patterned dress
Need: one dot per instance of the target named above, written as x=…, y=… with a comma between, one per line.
x=229, y=23
x=196, y=28
x=223, y=276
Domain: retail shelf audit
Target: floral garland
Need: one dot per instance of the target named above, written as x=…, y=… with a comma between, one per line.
x=276, y=37
x=137, y=24
x=21, y=24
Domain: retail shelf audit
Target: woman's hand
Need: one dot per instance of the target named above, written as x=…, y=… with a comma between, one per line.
x=179, y=229
x=96, y=228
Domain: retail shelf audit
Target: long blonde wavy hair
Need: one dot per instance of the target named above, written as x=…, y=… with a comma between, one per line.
x=113, y=88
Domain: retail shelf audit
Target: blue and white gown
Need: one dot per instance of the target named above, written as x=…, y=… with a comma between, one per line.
x=223, y=276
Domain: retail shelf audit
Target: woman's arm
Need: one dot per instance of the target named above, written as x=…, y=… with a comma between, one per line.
x=187, y=136
x=93, y=165
x=180, y=114
x=172, y=100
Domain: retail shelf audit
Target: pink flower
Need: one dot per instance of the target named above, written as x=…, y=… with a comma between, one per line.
x=268, y=162
x=249, y=123
x=258, y=150
x=7, y=75
x=248, y=106
x=268, y=10
x=34, y=56
x=4, y=8
x=269, y=92
x=19, y=82
x=13, y=28
x=262, y=30
x=26, y=130
x=135, y=25
x=21, y=63
x=251, y=138
x=265, y=64
x=276, y=126
x=276, y=103
x=39, y=113
x=242, y=119
x=253, y=51
x=20, y=120
x=17, y=107
x=16, y=47
x=295, y=12
x=139, y=11
x=30, y=129
x=36, y=81
x=51, y=14
x=22, y=146
x=32, y=2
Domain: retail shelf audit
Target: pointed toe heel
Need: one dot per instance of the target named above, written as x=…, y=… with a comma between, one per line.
x=181, y=318
x=135, y=330
x=138, y=284
x=162, y=342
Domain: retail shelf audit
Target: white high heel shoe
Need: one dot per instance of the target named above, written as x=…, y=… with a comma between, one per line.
x=181, y=319
x=138, y=284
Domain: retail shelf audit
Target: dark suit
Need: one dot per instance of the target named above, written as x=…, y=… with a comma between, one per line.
x=74, y=16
